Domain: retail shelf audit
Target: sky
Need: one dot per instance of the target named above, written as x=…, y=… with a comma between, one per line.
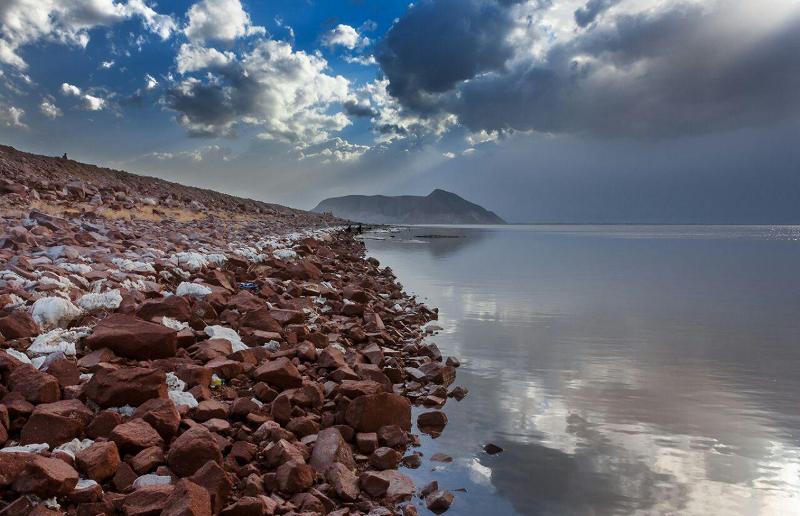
x=650, y=111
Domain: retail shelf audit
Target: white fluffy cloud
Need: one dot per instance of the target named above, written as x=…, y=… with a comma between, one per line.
x=150, y=82
x=192, y=58
x=11, y=116
x=345, y=36
x=283, y=92
x=49, y=109
x=24, y=22
x=219, y=20
x=90, y=102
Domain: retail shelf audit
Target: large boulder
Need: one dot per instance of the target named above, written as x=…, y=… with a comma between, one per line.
x=369, y=413
x=127, y=386
x=131, y=337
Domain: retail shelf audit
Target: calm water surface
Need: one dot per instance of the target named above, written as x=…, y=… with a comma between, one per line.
x=624, y=369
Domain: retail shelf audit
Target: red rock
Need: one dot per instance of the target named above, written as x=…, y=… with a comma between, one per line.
x=302, y=426
x=194, y=375
x=191, y=450
x=127, y=386
x=432, y=422
x=385, y=458
x=260, y=319
x=374, y=354
x=330, y=448
x=392, y=436
x=124, y=477
x=369, y=413
x=83, y=494
x=280, y=373
x=45, y=477
x=18, y=325
x=356, y=388
x=94, y=358
x=251, y=506
x=131, y=337
x=147, y=460
x=56, y=423
x=439, y=501
x=147, y=501
x=135, y=435
x=176, y=307
x=331, y=358
x=209, y=409
x=367, y=442
x=187, y=499
x=161, y=414
x=458, y=393
x=11, y=465
x=400, y=486
x=35, y=386
x=227, y=369
x=102, y=424
x=293, y=477
x=343, y=482
x=373, y=484
x=65, y=371
x=216, y=481
x=285, y=317
x=99, y=461
x=280, y=452
x=438, y=373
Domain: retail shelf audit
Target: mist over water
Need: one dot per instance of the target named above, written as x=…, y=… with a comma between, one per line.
x=624, y=369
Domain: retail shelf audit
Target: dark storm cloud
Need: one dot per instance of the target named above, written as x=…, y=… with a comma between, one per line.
x=589, y=12
x=211, y=108
x=360, y=110
x=440, y=43
x=667, y=72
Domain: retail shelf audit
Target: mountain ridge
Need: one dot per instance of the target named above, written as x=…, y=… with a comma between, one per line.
x=438, y=207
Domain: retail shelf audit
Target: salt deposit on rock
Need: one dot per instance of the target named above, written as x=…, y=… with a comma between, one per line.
x=78, y=268
x=109, y=300
x=151, y=480
x=74, y=446
x=284, y=254
x=189, y=260
x=174, y=324
x=192, y=289
x=54, y=312
x=22, y=357
x=14, y=302
x=221, y=332
x=26, y=448
x=127, y=265
x=58, y=340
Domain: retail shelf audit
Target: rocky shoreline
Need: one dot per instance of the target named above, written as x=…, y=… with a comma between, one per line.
x=168, y=350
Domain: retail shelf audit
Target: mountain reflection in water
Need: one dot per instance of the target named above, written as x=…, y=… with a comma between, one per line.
x=623, y=369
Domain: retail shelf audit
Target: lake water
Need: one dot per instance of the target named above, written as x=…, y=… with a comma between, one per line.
x=623, y=369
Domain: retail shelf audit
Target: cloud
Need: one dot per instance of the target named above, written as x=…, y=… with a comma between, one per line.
x=11, y=116
x=219, y=20
x=107, y=65
x=284, y=93
x=667, y=69
x=192, y=58
x=345, y=36
x=23, y=22
x=361, y=59
x=334, y=150
x=90, y=102
x=359, y=108
x=593, y=8
x=49, y=109
x=150, y=82
x=70, y=90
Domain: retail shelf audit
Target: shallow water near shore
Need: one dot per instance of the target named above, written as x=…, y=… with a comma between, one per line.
x=623, y=369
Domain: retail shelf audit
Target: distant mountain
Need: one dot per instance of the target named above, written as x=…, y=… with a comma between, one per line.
x=439, y=207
